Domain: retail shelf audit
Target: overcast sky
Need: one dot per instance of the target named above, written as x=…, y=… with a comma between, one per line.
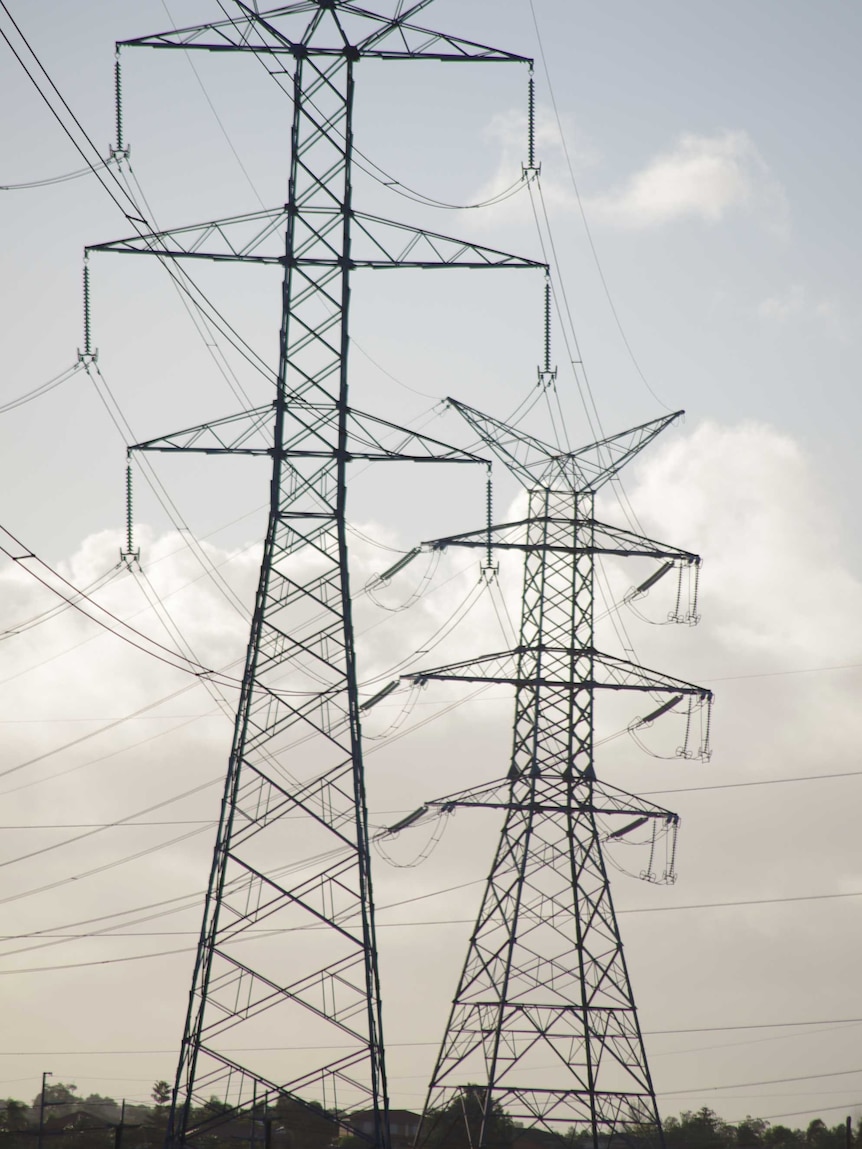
x=715, y=149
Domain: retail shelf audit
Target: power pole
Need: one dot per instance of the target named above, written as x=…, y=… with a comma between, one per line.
x=543, y=1029
x=45, y=1075
x=291, y=859
x=120, y=1129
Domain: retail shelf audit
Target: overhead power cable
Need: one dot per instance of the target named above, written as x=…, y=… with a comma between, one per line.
x=43, y=389
x=853, y=1104
x=123, y=198
x=394, y=1044
x=373, y=169
x=110, y=622
x=124, y=821
x=437, y=922
x=49, y=181
x=44, y=616
x=753, y=1084
x=758, y=782
x=583, y=214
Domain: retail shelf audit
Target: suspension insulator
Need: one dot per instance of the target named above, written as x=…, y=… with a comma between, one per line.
x=381, y=694
x=400, y=565
x=531, y=123
x=87, y=350
x=636, y=825
x=654, y=577
x=408, y=821
x=663, y=709
x=489, y=511
x=118, y=100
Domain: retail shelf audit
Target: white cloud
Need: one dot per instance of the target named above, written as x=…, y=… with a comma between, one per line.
x=783, y=306
x=700, y=177
x=508, y=130
x=795, y=303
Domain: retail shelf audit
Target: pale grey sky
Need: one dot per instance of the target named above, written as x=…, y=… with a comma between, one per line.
x=716, y=152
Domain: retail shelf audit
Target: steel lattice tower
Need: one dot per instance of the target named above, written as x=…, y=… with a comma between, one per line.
x=543, y=1029
x=291, y=860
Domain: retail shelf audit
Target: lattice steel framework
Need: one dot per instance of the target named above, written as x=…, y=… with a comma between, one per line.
x=543, y=1028
x=291, y=859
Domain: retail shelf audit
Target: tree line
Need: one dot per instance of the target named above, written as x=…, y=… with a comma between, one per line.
x=64, y=1120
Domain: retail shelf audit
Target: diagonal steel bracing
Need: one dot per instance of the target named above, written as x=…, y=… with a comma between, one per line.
x=543, y=1029
x=287, y=944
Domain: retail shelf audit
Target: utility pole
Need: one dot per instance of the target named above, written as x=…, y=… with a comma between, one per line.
x=291, y=858
x=45, y=1075
x=118, y=1131
x=543, y=1028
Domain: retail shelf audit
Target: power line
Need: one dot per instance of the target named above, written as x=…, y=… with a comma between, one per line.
x=753, y=1084
x=583, y=214
x=43, y=389
x=167, y=655
x=745, y=902
x=759, y=782
x=854, y=1104
x=395, y=925
x=397, y=1044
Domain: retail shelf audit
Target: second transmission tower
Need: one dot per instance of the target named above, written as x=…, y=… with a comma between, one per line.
x=543, y=1031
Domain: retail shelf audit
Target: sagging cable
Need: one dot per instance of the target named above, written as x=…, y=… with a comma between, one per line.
x=697, y=720
x=416, y=818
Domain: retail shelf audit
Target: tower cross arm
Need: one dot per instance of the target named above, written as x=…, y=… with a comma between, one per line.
x=556, y=794
x=604, y=540
x=539, y=465
x=257, y=237
x=309, y=431
x=577, y=668
x=326, y=29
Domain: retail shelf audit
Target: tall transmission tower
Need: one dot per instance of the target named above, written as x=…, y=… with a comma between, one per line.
x=543, y=1029
x=287, y=945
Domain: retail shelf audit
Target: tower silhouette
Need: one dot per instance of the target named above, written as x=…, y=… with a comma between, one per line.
x=543, y=1029
x=287, y=945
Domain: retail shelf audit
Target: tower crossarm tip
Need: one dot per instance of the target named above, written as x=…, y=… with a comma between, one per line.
x=540, y=466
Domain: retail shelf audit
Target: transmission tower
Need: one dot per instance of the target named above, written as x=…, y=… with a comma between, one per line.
x=287, y=945
x=543, y=1029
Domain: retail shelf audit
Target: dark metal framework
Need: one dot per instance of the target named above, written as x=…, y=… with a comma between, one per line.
x=543, y=1028
x=288, y=928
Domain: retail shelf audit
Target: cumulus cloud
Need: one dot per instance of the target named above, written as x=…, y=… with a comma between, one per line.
x=508, y=132
x=701, y=177
x=795, y=303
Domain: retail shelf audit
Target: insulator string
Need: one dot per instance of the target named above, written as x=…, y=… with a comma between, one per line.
x=531, y=121
x=118, y=102
x=130, y=556
x=87, y=349
x=547, y=323
x=489, y=510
